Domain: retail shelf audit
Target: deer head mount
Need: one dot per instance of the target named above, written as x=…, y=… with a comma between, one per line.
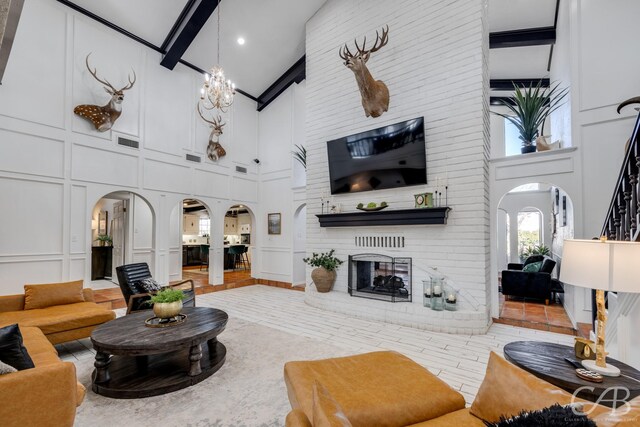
x=375, y=94
x=103, y=117
x=214, y=149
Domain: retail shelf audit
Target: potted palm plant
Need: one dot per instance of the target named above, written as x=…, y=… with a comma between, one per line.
x=324, y=276
x=530, y=107
x=104, y=240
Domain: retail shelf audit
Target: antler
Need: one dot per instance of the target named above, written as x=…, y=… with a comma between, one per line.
x=380, y=42
x=94, y=73
x=216, y=122
x=131, y=83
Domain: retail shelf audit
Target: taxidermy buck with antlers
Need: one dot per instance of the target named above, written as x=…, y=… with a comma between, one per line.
x=214, y=149
x=375, y=94
x=103, y=117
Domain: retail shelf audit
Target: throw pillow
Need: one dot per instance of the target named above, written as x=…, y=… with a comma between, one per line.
x=507, y=390
x=534, y=267
x=149, y=285
x=50, y=294
x=553, y=416
x=6, y=369
x=326, y=411
x=12, y=352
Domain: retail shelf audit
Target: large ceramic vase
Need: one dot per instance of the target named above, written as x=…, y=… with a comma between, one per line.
x=167, y=310
x=323, y=279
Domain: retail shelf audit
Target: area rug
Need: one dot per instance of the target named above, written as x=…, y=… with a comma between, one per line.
x=248, y=391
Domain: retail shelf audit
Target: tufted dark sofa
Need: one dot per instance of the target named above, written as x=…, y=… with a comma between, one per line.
x=535, y=285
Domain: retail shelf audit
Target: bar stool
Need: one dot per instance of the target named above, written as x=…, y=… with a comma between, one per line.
x=235, y=251
x=204, y=256
x=245, y=256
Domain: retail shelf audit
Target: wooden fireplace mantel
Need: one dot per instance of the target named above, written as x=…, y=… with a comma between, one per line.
x=422, y=216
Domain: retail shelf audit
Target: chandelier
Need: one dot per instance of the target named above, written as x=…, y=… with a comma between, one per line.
x=217, y=92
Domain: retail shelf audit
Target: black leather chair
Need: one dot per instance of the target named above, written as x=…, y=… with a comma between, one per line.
x=136, y=297
x=523, y=284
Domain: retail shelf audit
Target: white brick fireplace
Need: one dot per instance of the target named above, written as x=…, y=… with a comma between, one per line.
x=435, y=66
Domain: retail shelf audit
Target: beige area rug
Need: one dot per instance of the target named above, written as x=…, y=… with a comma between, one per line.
x=248, y=391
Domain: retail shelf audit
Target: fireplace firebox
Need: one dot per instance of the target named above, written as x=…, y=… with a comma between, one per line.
x=380, y=277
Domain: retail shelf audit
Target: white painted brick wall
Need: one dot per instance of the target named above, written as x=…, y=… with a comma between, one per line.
x=435, y=66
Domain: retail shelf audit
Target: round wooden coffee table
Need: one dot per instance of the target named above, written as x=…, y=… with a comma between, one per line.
x=546, y=360
x=151, y=361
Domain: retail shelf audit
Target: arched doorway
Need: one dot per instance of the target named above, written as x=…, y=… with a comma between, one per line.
x=299, y=245
x=239, y=243
x=193, y=218
x=533, y=218
x=122, y=232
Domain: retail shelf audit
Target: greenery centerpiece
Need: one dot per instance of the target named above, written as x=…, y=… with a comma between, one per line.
x=371, y=206
x=530, y=107
x=324, y=275
x=167, y=303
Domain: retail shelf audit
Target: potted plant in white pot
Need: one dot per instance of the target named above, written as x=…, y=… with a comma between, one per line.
x=104, y=240
x=167, y=303
x=324, y=275
x=530, y=107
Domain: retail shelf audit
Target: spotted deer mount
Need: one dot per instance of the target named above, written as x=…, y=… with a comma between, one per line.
x=104, y=116
x=375, y=94
x=214, y=149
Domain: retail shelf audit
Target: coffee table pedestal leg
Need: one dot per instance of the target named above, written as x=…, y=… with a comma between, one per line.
x=195, y=354
x=102, y=367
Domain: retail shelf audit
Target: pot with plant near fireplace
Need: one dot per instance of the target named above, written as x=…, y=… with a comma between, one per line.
x=324, y=276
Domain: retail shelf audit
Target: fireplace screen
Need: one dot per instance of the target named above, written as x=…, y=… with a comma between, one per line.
x=380, y=277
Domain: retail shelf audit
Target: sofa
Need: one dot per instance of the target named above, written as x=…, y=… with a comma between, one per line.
x=43, y=396
x=63, y=311
x=524, y=284
x=387, y=389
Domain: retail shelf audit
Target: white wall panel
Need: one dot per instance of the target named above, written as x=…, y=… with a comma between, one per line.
x=143, y=225
x=33, y=86
x=16, y=274
x=31, y=220
x=166, y=177
x=210, y=184
x=244, y=147
x=77, y=270
x=169, y=107
x=276, y=129
x=20, y=152
x=80, y=222
x=104, y=167
x=115, y=59
x=244, y=189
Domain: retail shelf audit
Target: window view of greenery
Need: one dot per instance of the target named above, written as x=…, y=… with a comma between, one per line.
x=529, y=230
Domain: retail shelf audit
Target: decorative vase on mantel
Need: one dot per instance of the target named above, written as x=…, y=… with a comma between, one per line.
x=323, y=279
x=528, y=148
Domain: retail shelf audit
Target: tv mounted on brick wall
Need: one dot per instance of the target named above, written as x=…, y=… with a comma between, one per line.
x=388, y=157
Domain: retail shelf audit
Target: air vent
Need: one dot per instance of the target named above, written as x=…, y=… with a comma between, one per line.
x=241, y=169
x=128, y=142
x=379, y=241
x=193, y=158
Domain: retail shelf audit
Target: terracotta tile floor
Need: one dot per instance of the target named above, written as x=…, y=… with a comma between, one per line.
x=112, y=297
x=535, y=315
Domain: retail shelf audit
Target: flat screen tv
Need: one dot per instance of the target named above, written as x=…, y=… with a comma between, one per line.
x=387, y=157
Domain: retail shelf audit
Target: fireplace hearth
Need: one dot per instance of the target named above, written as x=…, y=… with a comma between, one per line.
x=380, y=277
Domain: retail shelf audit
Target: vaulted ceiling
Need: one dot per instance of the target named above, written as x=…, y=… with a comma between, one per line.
x=274, y=32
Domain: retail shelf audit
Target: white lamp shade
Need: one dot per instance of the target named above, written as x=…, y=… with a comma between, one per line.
x=607, y=265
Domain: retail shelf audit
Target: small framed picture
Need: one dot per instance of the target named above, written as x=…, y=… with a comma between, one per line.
x=274, y=223
x=103, y=218
x=564, y=211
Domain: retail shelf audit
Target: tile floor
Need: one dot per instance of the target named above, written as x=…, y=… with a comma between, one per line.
x=535, y=315
x=460, y=360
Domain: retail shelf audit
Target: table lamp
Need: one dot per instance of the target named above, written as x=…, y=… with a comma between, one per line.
x=605, y=266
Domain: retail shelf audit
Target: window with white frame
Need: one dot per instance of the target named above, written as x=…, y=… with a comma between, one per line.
x=205, y=226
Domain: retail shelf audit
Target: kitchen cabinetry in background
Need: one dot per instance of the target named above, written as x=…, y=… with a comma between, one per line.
x=190, y=224
x=245, y=228
x=230, y=225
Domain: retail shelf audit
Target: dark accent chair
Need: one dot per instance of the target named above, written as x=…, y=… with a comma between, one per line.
x=523, y=284
x=130, y=274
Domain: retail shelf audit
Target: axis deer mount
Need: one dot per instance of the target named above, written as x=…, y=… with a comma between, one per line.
x=104, y=116
x=375, y=94
x=214, y=149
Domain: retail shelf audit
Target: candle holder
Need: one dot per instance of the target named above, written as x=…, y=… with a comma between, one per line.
x=451, y=299
x=426, y=289
x=437, y=292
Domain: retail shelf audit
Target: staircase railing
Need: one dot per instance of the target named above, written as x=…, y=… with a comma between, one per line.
x=623, y=217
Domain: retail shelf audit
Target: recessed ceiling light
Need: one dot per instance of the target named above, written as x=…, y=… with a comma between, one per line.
x=240, y=41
